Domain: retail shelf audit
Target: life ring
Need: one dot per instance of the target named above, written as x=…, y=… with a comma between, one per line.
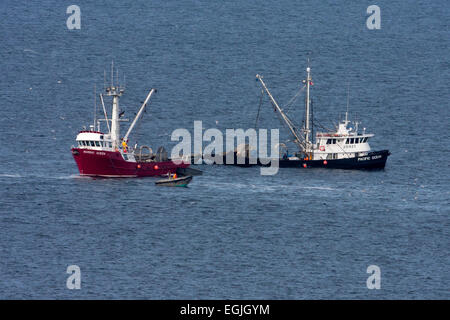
x=322, y=148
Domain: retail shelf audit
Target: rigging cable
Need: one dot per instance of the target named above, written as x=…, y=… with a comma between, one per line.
x=259, y=108
x=293, y=99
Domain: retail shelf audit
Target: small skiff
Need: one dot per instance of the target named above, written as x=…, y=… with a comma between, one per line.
x=174, y=182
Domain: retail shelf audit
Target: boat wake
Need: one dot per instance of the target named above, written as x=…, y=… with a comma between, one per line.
x=71, y=176
x=5, y=175
x=316, y=188
x=265, y=187
x=30, y=51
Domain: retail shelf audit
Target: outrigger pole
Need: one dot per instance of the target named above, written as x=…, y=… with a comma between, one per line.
x=125, y=138
x=285, y=118
x=104, y=111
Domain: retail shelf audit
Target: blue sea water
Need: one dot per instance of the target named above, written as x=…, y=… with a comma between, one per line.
x=232, y=234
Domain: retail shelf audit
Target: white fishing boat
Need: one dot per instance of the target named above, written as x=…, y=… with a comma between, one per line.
x=345, y=147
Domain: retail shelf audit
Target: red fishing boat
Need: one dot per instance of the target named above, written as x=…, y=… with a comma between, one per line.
x=106, y=154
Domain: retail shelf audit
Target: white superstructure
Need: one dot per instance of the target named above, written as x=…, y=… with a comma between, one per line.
x=341, y=144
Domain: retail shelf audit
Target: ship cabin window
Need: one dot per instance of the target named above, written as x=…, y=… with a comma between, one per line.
x=332, y=156
x=356, y=140
x=352, y=140
x=331, y=141
x=97, y=144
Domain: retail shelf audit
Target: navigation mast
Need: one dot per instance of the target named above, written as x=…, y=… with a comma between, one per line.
x=306, y=128
x=115, y=91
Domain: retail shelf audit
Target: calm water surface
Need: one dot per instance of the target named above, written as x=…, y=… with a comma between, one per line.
x=232, y=234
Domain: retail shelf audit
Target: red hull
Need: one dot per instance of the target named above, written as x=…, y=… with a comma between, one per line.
x=112, y=164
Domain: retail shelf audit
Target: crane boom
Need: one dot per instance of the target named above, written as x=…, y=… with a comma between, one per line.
x=289, y=124
x=125, y=138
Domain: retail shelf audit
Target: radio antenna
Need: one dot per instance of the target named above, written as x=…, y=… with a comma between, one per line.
x=95, y=105
x=348, y=101
x=112, y=73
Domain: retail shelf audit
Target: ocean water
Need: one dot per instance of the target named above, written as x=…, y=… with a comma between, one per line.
x=232, y=234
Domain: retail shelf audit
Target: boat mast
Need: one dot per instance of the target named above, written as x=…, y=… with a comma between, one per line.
x=115, y=92
x=307, y=129
x=298, y=140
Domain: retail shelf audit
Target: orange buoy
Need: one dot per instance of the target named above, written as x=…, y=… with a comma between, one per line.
x=138, y=166
x=325, y=162
x=155, y=167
